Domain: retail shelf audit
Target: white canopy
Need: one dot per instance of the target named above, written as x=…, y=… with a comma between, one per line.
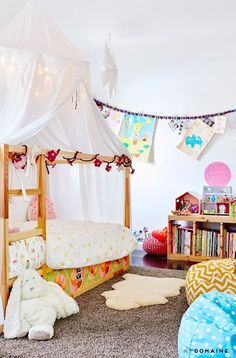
x=41, y=72
x=32, y=29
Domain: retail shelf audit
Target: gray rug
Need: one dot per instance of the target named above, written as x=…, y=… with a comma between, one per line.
x=100, y=332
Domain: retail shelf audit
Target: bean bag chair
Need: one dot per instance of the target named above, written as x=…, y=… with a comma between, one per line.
x=211, y=275
x=208, y=327
x=156, y=244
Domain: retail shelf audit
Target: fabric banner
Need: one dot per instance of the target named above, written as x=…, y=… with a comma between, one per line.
x=137, y=135
x=196, y=138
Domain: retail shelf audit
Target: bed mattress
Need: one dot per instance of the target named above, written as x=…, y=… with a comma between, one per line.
x=71, y=244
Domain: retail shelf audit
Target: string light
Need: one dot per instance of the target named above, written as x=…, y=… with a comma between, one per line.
x=2, y=60
x=12, y=67
x=40, y=71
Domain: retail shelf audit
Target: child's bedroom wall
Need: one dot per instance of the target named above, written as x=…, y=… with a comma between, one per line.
x=174, y=57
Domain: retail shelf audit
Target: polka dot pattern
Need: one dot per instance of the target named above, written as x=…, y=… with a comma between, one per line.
x=212, y=329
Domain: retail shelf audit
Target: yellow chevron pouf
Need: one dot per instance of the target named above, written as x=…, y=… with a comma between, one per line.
x=211, y=275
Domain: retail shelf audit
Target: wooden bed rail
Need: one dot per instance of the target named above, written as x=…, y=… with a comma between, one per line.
x=5, y=237
x=4, y=277
x=29, y=192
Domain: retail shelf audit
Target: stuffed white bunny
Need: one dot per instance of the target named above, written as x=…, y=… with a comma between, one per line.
x=34, y=305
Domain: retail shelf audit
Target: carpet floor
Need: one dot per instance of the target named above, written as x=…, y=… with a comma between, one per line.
x=100, y=332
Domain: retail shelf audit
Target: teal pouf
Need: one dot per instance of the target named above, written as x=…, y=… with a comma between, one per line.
x=208, y=327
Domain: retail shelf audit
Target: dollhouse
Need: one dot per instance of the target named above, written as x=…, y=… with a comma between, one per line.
x=216, y=200
x=188, y=203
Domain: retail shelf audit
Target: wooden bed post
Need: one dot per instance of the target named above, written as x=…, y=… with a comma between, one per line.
x=42, y=186
x=127, y=198
x=4, y=232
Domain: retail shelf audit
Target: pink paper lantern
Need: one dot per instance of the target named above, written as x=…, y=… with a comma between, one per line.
x=217, y=174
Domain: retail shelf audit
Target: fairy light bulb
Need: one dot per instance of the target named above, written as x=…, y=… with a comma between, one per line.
x=2, y=60
x=12, y=68
x=40, y=71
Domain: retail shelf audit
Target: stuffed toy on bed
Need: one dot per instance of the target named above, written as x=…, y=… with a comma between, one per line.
x=34, y=305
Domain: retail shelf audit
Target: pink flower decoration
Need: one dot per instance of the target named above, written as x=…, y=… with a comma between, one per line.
x=97, y=162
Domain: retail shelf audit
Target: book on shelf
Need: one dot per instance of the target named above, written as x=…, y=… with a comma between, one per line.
x=181, y=242
x=230, y=244
x=208, y=243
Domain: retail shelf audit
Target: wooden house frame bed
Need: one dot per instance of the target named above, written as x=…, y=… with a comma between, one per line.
x=7, y=238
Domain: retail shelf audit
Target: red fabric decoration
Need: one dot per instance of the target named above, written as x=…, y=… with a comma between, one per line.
x=120, y=160
x=108, y=167
x=155, y=247
x=97, y=162
x=160, y=235
x=52, y=155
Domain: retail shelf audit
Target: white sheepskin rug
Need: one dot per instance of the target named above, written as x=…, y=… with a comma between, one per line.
x=136, y=291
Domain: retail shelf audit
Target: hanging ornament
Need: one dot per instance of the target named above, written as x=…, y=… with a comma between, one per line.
x=110, y=72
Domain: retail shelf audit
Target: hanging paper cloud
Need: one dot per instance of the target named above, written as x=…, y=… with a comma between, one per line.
x=110, y=72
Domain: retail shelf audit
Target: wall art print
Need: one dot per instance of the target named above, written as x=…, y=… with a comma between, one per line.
x=196, y=139
x=137, y=135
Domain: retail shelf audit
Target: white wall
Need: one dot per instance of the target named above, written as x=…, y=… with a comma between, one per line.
x=174, y=57
x=156, y=185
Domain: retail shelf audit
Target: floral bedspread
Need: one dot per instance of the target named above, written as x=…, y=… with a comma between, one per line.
x=72, y=244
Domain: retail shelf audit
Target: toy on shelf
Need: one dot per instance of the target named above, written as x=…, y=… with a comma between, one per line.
x=216, y=200
x=187, y=204
x=232, y=208
x=156, y=244
x=141, y=235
